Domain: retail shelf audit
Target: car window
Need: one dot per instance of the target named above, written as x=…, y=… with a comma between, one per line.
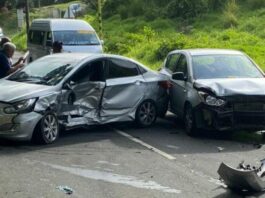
x=46, y=70
x=182, y=65
x=91, y=72
x=121, y=68
x=172, y=62
x=80, y=37
x=36, y=37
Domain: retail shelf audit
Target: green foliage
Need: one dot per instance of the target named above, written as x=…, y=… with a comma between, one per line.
x=256, y=4
x=229, y=15
x=20, y=40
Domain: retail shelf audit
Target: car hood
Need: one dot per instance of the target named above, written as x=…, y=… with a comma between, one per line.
x=230, y=87
x=12, y=91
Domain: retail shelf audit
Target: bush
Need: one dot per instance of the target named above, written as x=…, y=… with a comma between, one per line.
x=229, y=14
x=256, y=4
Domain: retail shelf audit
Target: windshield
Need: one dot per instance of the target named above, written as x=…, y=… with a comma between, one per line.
x=46, y=71
x=81, y=37
x=224, y=66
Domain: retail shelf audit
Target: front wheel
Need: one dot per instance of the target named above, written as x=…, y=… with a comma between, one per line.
x=189, y=121
x=146, y=114
x=48, y=129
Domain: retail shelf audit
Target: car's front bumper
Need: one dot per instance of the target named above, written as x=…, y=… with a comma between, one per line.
x=18, y=127
x=227, y=119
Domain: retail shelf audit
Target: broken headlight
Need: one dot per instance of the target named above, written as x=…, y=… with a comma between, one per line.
x=23, y=106
x=211, y=100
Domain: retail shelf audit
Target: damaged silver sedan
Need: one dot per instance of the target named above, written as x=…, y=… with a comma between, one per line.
x=75, y=90
x=216, y=89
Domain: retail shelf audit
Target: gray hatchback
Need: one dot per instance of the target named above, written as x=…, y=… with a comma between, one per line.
x=215, y=89
x=74, y=90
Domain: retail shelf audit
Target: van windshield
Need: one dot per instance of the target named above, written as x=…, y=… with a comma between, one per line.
x=76, y=37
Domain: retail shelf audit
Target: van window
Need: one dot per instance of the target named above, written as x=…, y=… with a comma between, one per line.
x=36, y=37
x=78, y=37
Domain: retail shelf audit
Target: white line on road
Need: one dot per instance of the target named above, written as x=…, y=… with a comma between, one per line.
x=168, y=156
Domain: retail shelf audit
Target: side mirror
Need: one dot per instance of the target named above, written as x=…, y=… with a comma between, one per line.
x=102, y=42
x=179, y=76
x=69, y=85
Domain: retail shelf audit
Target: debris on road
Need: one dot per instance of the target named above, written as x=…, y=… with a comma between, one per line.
x=257, y=146
x=67, y=190
x=220, y=149
x=244, y=178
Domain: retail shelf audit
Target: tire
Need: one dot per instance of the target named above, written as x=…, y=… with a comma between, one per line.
x=146, y=114
x=47, y=131
x=189, y=121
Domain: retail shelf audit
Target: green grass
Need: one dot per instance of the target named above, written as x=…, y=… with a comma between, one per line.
x=149, y=41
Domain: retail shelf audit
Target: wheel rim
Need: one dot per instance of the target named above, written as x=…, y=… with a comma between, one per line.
x=147, y=113
x=188, y=120
x=50, y=128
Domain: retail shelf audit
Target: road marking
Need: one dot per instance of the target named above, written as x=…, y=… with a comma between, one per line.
x=114, y=178
x=168, y=156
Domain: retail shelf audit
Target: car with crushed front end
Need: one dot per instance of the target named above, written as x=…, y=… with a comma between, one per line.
x=68, y=90
x=215, y=89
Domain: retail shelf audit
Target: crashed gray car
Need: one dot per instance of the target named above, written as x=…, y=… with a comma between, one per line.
x=215, y=89
x=74, y=90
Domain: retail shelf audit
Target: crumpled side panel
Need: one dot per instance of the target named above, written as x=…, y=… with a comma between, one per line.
x=48, y=101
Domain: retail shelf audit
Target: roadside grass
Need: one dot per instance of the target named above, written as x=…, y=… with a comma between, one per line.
x=248, y=137
x=149, y=41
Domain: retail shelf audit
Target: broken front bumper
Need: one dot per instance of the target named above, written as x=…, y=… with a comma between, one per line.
x=241, y=179
x=235, y=117
x=18, y=127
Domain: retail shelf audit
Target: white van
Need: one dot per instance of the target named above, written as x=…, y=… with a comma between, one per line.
x=76, y=36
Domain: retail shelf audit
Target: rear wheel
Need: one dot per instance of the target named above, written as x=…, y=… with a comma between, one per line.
x=47, y=131
x=146, y=114
x=189, y=121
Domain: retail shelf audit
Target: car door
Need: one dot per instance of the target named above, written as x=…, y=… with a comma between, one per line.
x=36, y=44
x=124, y=90
x=82, y=94
x=178, y=92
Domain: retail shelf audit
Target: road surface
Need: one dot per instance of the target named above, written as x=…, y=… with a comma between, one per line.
x=122, y=160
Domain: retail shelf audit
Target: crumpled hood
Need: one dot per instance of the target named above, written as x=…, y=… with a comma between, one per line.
x=230, y=87
x=12, y=91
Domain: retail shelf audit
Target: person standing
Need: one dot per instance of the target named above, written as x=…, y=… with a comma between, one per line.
x=6, y=55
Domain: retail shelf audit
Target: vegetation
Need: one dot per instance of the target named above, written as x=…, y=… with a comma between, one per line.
x=147, y=30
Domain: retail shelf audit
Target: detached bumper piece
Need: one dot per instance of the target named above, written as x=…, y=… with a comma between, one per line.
x=244, y=178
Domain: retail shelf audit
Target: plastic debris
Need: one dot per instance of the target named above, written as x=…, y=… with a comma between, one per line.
x=220, y=149
x=67, y=190
x=243, y=178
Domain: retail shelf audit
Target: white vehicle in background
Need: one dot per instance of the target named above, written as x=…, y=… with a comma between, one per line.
x=76, y=36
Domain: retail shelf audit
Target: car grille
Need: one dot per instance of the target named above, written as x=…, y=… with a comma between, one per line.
x=249, y=107
x=249, y=113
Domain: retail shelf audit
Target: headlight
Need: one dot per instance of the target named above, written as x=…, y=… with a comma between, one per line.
x=211, y=100
x=21, y=107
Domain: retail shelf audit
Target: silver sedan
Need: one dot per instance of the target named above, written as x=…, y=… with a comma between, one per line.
x=75, y=90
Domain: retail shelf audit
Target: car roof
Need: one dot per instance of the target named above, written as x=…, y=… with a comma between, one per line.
x=197, y=52
x=83, y=56
x=63, y=24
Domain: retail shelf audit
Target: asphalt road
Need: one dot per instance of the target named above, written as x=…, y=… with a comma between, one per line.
x=113, y=161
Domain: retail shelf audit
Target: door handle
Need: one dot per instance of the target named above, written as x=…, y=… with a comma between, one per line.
x=185, y=91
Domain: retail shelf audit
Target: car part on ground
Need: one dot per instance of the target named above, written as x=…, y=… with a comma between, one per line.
x=79, y=90
x=225, y=89
x=243, y=178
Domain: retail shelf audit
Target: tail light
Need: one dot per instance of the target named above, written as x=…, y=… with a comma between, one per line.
x=164, y=84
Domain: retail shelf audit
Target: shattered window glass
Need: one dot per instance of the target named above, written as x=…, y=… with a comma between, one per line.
x=47, y=71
